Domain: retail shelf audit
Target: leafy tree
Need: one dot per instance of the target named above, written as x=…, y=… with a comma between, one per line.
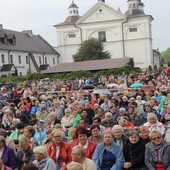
x=91, y=49
x=166, y=55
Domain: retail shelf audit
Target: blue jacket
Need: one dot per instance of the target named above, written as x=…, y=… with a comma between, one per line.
x=115, y=149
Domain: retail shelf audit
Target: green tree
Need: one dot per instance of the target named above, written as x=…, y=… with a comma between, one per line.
x=91, y=49
x=166, y=55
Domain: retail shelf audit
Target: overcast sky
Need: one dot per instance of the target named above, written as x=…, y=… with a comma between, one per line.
x=41, y=15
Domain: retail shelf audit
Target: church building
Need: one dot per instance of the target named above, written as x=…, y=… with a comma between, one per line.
x=127, y=35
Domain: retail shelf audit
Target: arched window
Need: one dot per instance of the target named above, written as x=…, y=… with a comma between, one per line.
x=74, y=11
x=70, y=12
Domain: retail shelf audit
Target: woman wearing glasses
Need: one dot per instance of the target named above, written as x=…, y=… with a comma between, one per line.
x=157, y=152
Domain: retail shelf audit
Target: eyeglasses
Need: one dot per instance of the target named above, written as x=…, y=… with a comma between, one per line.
x=57, y=136
x=158, y=137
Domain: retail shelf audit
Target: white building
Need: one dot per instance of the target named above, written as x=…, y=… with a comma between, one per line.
x=124, y=35
x=23, y=52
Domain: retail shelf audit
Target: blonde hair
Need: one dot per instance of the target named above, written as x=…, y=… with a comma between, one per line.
x=74, y=166
x=79, y=150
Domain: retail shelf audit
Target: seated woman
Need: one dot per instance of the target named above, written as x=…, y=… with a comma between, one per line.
x=154, y=124
x=7, y=154
x=68, y=119
x=144, y=134
x=59, y=150
x=157, y=151
x=134, y=152
x=41, y=160
x=118, y=135
x=95, y=134
x=25, y=153
x=82, y=135
x=108, y=121
x=108, y=155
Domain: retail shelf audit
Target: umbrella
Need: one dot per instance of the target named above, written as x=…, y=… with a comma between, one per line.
x=111, y=85
x=101, y=91
x=136, y=85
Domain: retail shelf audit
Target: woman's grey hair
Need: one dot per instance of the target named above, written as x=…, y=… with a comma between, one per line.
x=52, y=113
x=67, y=110
x=154, y=132
x=2, y=140
x=122, y=109
x=47, y=121
x=152, y=115
x=133, y=133
x=16, y=120
x=117, y=127
x=24, y=140
x=107, y=131
x=40, y=149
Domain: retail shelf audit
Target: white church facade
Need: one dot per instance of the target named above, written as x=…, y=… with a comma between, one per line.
x=124, y=35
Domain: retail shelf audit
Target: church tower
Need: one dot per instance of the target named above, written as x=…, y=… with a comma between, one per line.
x=135, y=7
x=73, y=9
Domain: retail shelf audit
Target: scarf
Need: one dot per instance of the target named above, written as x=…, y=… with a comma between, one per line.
x=42, y=164
x=156, y=152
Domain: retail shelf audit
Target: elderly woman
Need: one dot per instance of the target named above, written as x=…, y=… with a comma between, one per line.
x=59, y=150
x=82, y=135
x=41, y=160
x=118, y=135
x=108, y=155
x=7, y=154
x=157, y=151
x=53, y=118
x=134, y=152
x=95, y=134
x=25, y=153
x=154, y=124
x=68, y=119
x=108, y=121
x=144, y=134
x=29, y=132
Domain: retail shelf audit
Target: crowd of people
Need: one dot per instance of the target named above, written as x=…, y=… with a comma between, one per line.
x=127, y=129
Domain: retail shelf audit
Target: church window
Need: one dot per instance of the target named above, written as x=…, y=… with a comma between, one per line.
x=133, y=30
x=72, y=35
x=11, y=59
x=2, y=58
x=74, y=11
x=100, y=10
x=19, y=59
x=45, y=60
x=70, y=12
x=77, y=12
x=134, y=5
x=40, y=60
x=27, y=59
x=102, y=36
x=54, y=61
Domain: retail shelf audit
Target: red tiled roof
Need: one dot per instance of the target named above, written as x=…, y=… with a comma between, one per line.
x=88, y=65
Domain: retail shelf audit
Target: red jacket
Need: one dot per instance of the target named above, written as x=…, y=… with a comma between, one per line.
x=64, y=152
x=90, y=149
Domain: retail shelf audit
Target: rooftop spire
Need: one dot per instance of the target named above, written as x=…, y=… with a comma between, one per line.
x=101, y=1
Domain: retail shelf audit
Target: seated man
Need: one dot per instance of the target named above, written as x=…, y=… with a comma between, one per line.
x=78, y=155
